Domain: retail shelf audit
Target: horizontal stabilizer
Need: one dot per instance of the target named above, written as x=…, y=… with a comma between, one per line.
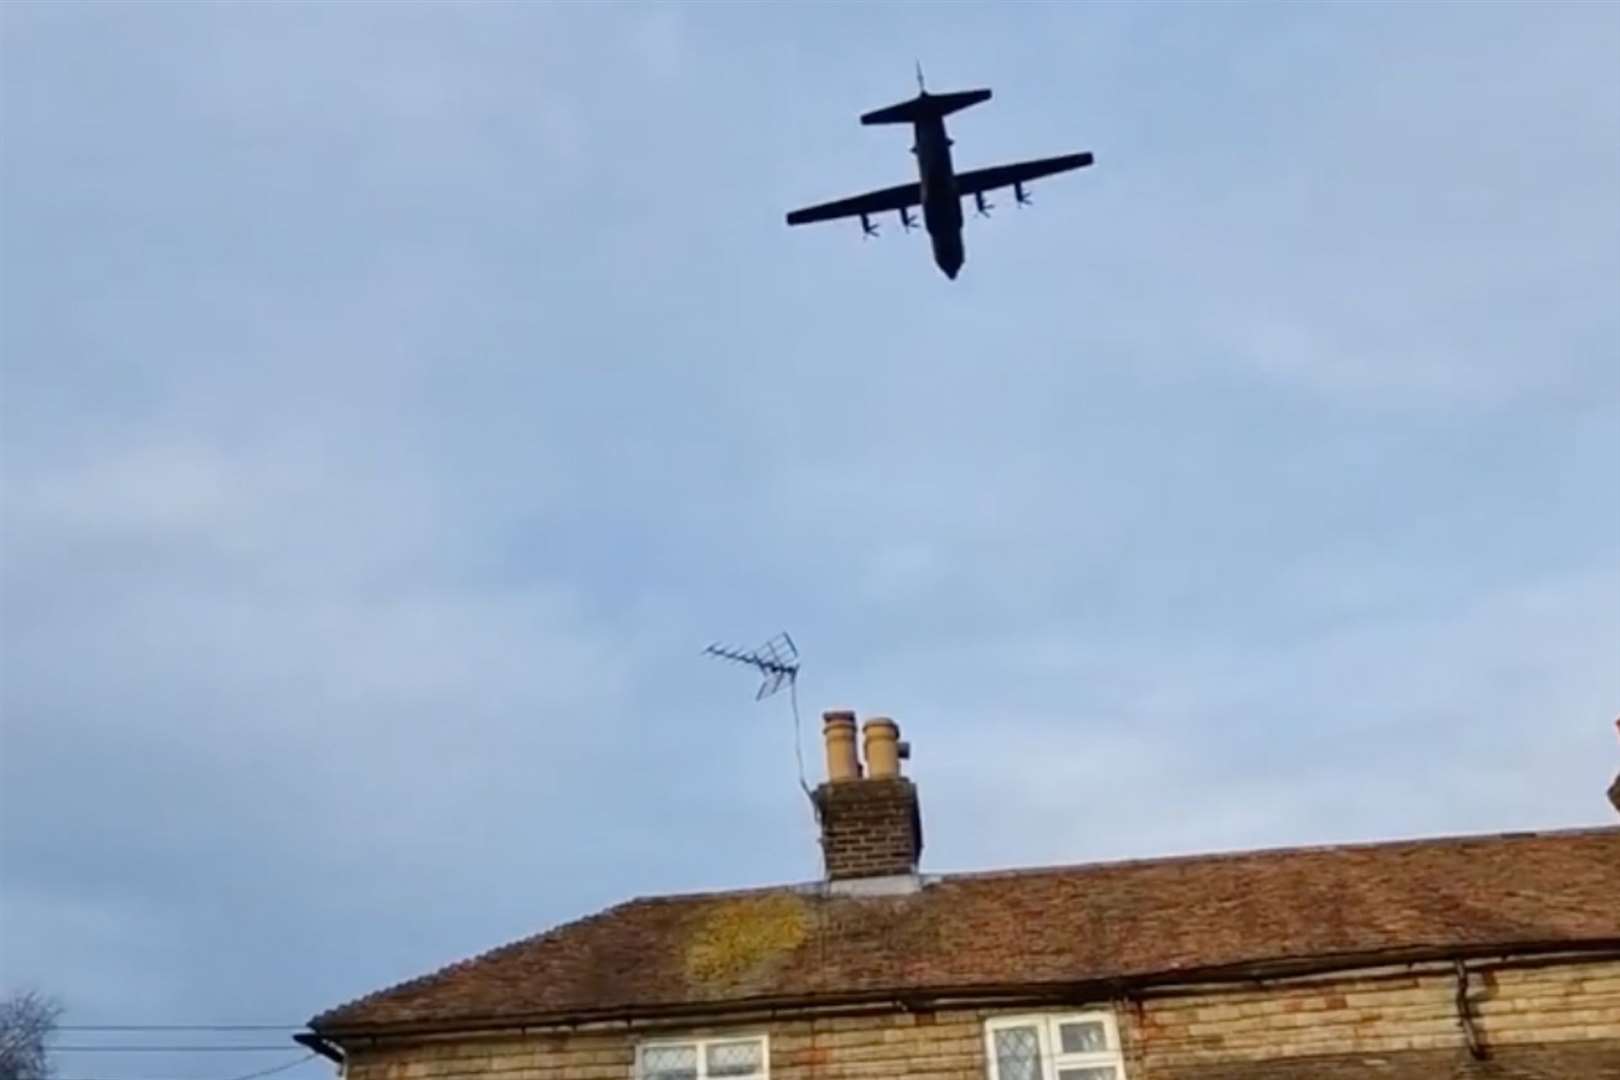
x=925, y=107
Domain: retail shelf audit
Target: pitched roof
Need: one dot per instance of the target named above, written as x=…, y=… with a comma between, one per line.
x=1136, y=922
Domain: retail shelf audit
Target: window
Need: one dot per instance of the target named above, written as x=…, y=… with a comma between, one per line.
x=1082, y=1046
x=704, y=1059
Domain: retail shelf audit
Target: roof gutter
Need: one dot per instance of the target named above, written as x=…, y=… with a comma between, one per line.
x=1154, y=984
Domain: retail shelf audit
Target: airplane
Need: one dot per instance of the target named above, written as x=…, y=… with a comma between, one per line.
x=939, y=188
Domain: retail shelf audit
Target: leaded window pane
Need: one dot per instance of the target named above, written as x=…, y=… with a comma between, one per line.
x=1018, y=1053
x=735, y=1058
x=669, y=1063
x=1084, y=1037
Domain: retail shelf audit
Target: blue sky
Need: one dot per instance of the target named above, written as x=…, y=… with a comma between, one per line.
x=397, y=398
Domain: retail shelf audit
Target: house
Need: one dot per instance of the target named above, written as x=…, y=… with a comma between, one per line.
x=1475, y=956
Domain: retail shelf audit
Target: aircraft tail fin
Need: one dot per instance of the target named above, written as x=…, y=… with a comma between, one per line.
x=925, y=106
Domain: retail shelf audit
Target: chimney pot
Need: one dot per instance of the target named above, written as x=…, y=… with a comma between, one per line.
x=882, y=747
x=838, y=730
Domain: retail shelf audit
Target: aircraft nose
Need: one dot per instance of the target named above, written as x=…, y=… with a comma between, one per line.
x=949, y=255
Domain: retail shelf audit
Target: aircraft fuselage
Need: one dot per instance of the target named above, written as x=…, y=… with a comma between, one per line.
x=941, y=204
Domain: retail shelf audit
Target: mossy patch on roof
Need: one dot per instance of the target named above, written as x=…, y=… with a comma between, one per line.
x=735, y=938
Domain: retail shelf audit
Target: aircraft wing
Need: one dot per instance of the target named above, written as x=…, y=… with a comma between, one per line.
x=873, y=202
x=1000, y=176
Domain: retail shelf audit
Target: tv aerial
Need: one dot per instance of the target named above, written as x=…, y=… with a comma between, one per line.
x=777, y=662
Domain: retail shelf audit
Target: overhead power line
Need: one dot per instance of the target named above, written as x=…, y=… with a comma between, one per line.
x=283, y=1067
x=179, y=1027
x=162, y=1049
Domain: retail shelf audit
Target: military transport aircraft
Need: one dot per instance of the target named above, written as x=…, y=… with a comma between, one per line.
x=940, y=187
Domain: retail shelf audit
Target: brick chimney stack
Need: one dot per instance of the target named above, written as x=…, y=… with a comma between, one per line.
x=871, y=826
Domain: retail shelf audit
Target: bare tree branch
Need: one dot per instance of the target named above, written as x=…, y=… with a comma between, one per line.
x=26, y=1022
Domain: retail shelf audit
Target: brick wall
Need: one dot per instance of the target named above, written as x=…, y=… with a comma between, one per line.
x=1558, y=1022
x=1394, y=1024
x=869, y=828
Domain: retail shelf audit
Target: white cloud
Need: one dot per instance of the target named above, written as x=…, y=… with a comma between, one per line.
x=1496, y=716
x=154, y=490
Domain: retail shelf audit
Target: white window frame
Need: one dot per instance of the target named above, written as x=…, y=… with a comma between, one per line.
x=1049, y=1040
x=701, y=1045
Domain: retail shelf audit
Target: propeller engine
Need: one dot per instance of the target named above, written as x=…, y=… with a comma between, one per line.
x=1018, y=193
x=907, y=222
x=983, y=207
x=867, y=228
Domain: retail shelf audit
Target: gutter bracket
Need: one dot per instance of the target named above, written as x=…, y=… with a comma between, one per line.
x=324, y=1047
